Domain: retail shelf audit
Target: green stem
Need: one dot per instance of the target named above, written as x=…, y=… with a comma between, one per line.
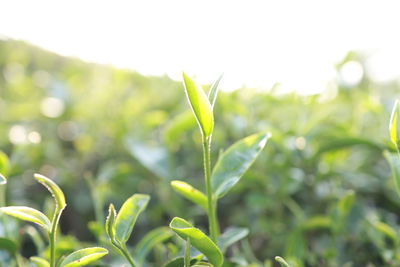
x=125, y=253
x=187, y=253
x=212, y=218
x=52, y=237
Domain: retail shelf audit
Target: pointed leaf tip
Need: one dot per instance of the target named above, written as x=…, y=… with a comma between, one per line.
x=110, y=222
x=200, y=105
x=282, y=262
x=54, y=189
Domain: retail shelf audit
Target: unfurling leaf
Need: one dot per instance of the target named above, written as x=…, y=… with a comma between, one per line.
x=235, y=161
x=28, y=214
x=110, y=222
x=128, y=214
x=200, y=105
x=213, y=93
x=55, y=191
x=393, y=123
x=190, y=193
x=83, y=257
x=40, y=262
x=282, y=262
x=198, y=240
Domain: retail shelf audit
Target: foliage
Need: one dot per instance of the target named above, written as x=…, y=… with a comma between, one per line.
x=321, y=194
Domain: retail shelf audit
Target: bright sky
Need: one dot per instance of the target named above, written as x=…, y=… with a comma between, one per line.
x=255, y=43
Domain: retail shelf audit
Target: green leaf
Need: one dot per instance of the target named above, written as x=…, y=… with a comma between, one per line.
x=9, y=245
x=28, y=214
x=393, y=123
x=198, y=239
x=231, y=236
x=40, y=262
x=110, y=222
x=394, y=162
x=150, y=240
x=282, y=262
x=83, y=257
x=128, y=214
x=346, y=203
x=200, y=105
x=317, y=222
x=190, y=193
x=3, y=180
x=55, y=191
x=4, y=163
x=386, y=229
x=235, y=161
x=213, y=93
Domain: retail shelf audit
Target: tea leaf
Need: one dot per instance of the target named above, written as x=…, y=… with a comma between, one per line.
x=27, y=214
x=213, y=93
x=386, y=230
x=110, y=222
x=3, y=180
x=282, y=262
x=55, y=191
x=394, y=162
x=4, y=163
x=151, y=239
x=40, y=262
x=393, y=123
x=190, y=193
x=8, y=244
x=83, y=257
x=235, y=161
x=198, y=239
x=127, y=216
x=200, y=105
x=231, y=236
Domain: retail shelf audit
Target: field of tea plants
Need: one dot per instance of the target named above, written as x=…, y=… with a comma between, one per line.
x=106, y=167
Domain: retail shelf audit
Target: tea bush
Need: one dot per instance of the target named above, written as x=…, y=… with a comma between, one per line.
x=320, y=194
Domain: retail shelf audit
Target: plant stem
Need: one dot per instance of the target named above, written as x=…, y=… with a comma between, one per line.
x=212, y=218
x=187, y=253
x=52, y=237
x=125, y=253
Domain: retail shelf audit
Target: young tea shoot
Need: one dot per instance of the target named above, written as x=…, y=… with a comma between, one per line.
x=229, y=169
x=78, y=258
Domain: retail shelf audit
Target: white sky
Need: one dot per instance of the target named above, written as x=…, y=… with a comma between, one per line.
x=256, y=43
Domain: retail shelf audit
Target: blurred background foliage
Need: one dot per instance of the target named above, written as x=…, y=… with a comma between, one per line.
x=320, y=194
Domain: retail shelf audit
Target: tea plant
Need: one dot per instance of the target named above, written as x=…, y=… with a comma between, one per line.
x=78, y=258
x=227, y=172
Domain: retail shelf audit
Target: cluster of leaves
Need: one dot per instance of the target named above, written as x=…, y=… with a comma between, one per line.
x=319, y=195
